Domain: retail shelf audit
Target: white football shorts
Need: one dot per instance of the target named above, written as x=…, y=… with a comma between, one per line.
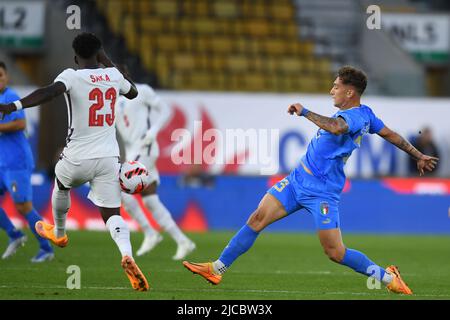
x=102, y=175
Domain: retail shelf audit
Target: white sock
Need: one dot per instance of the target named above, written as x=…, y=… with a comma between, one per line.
x=131, y=205
x=219, y=267
x=164, y=218
x=387, y=278
x=60, y=207
x=121, y=234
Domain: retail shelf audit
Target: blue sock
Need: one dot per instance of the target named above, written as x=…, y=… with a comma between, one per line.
x=33, y=217
x=359, y=262
x=7, y=225
x=238, y=245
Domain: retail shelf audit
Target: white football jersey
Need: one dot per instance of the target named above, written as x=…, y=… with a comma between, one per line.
x=91, y=96
x=135, y=117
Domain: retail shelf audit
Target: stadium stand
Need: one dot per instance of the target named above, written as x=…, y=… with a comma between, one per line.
x=220, y=45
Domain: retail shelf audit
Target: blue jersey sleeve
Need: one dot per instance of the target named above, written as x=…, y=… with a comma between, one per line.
x=354, y=120
x=16, y=115
x=376, y=124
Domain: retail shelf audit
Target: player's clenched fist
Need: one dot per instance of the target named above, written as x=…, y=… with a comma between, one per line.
x=295, y=108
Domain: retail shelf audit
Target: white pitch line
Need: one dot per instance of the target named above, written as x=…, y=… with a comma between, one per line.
x=227, y=291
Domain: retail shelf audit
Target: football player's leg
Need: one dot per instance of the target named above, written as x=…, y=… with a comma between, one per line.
x=269, y=210
x=105, y=193
x=21, y=192
x=5, y=222
x=118, y=229
x=327, y=222
x=152, y=237
x=64, y=172
x=16, y=237
x=276, y=204
x=165, y=220
x=334, y=248
x=7, y=225
x=120, y=233
x=60, y=207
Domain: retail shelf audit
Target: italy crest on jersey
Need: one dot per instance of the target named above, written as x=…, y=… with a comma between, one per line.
x=324, y=208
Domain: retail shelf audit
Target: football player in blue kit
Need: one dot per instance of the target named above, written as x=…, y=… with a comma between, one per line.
x=16, y=166
x=317, y=182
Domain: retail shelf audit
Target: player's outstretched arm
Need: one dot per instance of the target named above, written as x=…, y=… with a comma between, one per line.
x=423, y=161
x=35, y=98
x=335, y=126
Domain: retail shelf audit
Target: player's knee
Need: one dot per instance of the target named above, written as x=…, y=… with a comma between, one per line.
x=24, y=208
x=334, y=254
x=257, y=220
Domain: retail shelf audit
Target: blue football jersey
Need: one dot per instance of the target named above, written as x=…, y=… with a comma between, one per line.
x=327, y=153
x=15, y=151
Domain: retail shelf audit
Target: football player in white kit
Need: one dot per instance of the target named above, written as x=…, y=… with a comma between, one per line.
x=138, y=122
x=91, y=153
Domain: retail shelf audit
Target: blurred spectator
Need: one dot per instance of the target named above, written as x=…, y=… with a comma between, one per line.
x=196, y=177
x=425, y=144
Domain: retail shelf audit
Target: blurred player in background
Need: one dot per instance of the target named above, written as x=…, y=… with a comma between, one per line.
x=316, y=184
x=91, y=153
x=138, y=123
x=16, y=167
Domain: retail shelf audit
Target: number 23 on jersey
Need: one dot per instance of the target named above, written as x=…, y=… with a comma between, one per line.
x=98, y=97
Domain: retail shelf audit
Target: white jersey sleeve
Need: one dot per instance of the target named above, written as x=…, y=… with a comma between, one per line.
x=125, y=86
x=153, y=101
x=67, y=77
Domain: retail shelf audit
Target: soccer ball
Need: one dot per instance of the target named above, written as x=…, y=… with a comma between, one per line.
x=133, y=177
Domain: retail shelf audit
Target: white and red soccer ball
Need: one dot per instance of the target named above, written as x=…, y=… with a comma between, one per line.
x=133, y=177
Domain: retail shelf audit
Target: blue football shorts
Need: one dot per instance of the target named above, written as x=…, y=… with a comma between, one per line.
x=17, y=183
x=304, y=193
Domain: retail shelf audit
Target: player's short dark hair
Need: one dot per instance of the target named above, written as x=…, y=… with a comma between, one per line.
x=354, y=77
x=3, y=66
x=86, y=45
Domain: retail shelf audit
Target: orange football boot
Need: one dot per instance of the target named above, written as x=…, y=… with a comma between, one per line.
x=205, y=270
x=134, y=274
x=47, y=231
x=397, y=285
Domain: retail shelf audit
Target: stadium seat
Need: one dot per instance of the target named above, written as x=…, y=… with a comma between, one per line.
x=167, y=43
x=225, y=9
x=221, y=44
x=184, y=62
x=237, y=63
x=205, y=26
x=282, y=11
x=258, y=28
x=255, y=82
x=291, y=65
x=165, y=7
x=151, y=25
x=189, y=41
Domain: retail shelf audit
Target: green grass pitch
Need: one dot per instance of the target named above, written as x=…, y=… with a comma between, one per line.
x=283, y=266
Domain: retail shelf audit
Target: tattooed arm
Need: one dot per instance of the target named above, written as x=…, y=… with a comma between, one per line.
x=334, y=125
x=423, y=161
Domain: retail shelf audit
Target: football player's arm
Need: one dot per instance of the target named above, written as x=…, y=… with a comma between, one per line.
x=16, y=125
x=106, y=61
x=35, y=98
x=155, y=103
x=335, y=126
x=423, y=161
x=163, y=110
